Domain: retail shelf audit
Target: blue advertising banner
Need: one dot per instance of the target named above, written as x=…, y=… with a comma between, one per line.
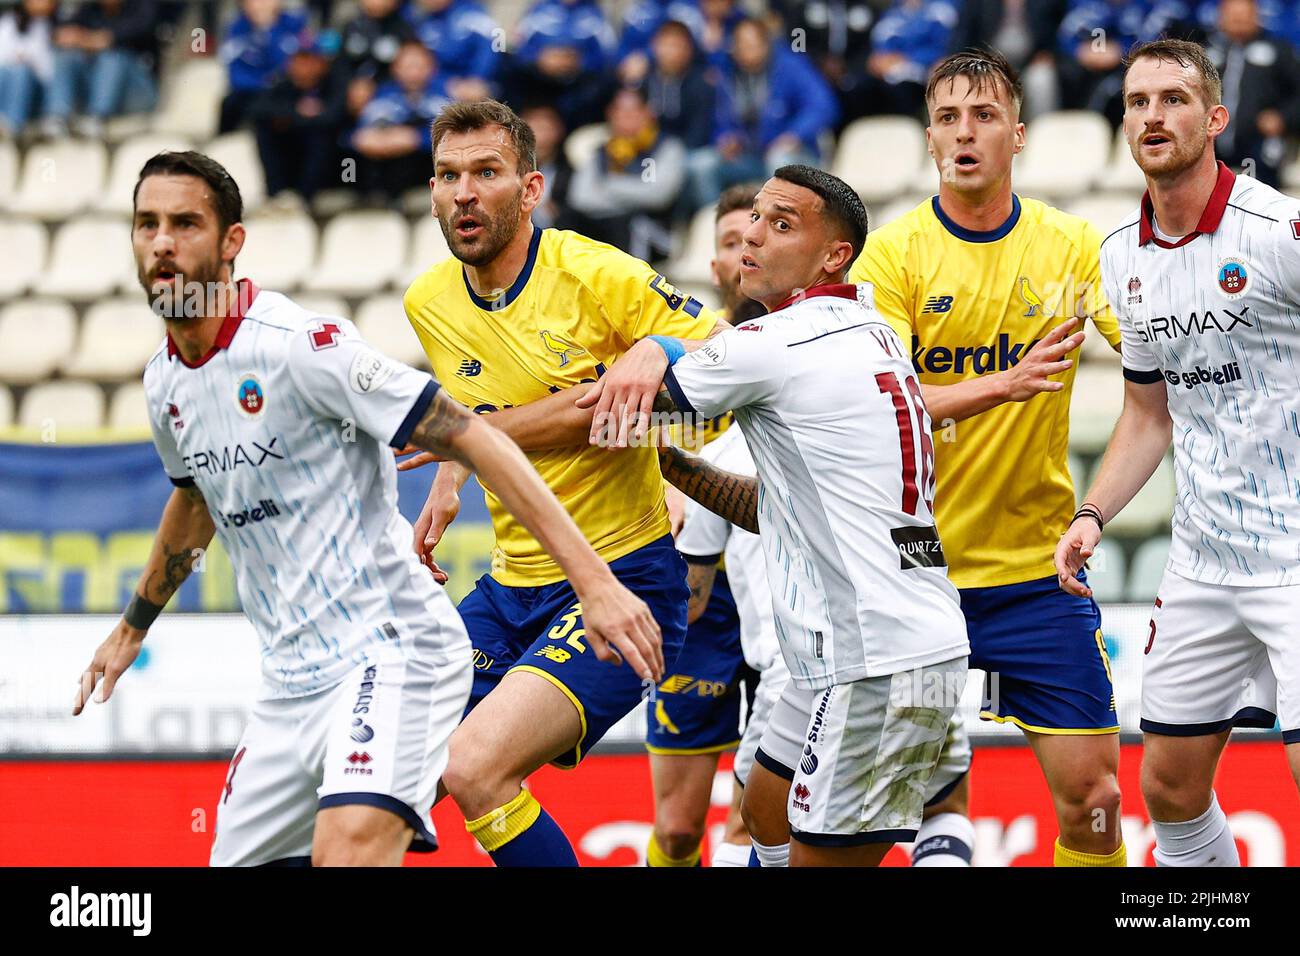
x=77, y=523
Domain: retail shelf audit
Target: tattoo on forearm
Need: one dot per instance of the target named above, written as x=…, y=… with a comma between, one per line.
x=177, y=565
x=664, y=402
x=732, y=496
x=444, y=420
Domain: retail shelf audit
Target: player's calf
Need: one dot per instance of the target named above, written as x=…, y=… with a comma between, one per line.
x=359, y=835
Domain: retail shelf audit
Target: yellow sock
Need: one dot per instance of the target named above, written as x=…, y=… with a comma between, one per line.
x=1064, y=856
x=655, y=856
x=498, y=827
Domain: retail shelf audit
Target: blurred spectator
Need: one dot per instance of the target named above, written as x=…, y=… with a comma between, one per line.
x=720, y=20
x=255, y=49
x=394, y=135
x=678, y=89
x=624, y=194
x=773, y=108
x=548, y=128
x=461, y=35
x=552, y=25
x=26, y=61
x=105, y=58
x=1197, y=19
x=1092, y=39
x=641, y=22
x=835, y=33
x=1261, y=89
x=299, y=119
x=557, y=68
x=1024, y=31
x=908, y=40
x=370, y=43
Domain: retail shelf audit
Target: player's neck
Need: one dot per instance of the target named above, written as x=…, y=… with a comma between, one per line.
x=1179, y=200
x=983, y=212
x=195, y=335
x=502, y=271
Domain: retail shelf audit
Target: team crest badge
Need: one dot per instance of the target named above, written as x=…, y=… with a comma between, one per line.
x=560, y=347
x=249, y=396
x=1233, y=278
x=1033, y=300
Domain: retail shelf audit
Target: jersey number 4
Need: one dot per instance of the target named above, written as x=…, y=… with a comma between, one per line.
x=909, y=408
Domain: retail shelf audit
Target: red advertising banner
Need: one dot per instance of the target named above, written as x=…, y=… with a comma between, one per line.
x=139, y=813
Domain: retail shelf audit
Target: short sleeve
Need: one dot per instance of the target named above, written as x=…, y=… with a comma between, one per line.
x=160, y=423
x=1288, y=259
x=734, y=369
x=1092, y=299
x=879, y=264
x=343, y=378
x=1140, y=363
x=704, y=534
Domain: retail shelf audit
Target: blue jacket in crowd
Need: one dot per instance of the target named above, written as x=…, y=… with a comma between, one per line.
x=919, y=33
x=394, y=106
x=576, y=23
x=643, y=17
x=254, y=56
x=1124, y=21
x=460, y=36
x=798, y=101
x=1279, y=17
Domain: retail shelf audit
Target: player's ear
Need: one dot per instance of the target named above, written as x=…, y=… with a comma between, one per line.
x=839, y=258
x=1217, y=121
x=233, y=242
x=534, y=186
x=1020, y=136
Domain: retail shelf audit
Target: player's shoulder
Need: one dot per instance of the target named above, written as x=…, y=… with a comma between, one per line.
x=1124, y=236
x=591, y=261
x=901, y=232
x=431, y=284
x=1054, y=225
x=157, y=368
x=1269, y=207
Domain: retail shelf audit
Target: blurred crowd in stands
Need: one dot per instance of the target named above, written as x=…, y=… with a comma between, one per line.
x=695, y=94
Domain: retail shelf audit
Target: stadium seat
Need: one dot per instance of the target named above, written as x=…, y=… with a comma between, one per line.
x=382, y=322
x=428, y=248
x=127, y=160
x=582, y=143
x=128, y=409
x=1094, y=406
x=1122, y=171
x=89, y=258
x=63, y=404
x=118, y=337
x=25, y=244
x=1106, y=572
x=238, y=153
x=279, y=250
x=1065, y=153
x=1150, y=509
x=8, y=171
x=692, y=264
x=326, y=305
x=361, y=252
x=6, y=407
x=896, y=147
x=60, y=178
x=884, y=213
x=1147, y=569
x=192, y=104
x=35, y=336
x=1104, y=210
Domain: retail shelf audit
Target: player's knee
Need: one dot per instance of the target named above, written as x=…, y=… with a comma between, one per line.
x=1090, y=804
x=764, y=822
x=473, y=779
x=679, y=841
x=1171, y=794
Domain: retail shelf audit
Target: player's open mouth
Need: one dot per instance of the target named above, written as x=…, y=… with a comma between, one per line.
x=165, y=275
x=747, y=264
x=1153, y=140
x=966, y=160
x=467, y=226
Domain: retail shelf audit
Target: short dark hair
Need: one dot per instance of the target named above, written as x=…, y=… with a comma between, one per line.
x=984, y=68
x=1185, y=54
x=739, y=196
x=226, y=200
x=471, y=116
x=843, y=206
x=676, y=26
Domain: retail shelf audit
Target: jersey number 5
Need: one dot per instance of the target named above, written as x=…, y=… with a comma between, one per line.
x=909, y=408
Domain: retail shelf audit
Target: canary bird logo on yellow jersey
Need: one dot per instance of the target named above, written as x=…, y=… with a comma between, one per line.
x=560, y=347
x=1033, y=300
x=661, y=715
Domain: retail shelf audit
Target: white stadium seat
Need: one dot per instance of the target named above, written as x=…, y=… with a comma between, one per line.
x=1105, y=210
x=361, y=252
x=128, y=409
x=882, y=214
x=63, y=405
x=324, y=305
x=382, y=322
x=1106, y=572
x=428, y=248
x=279, y=250
x=1064, y=154
x=582, y=143
x=118, y=337
x=1148, y=568
x=238, y=153
x=6, y=407
x=89, y=258
x=692, y=264
x=1150, y=509
x=127, y=160
x=1122, y=171
x=8, y=172
x=36, y=335
x=25, y=244
x=880, y=156
x=192, y=104
x=60, y=178
x=1094, y=406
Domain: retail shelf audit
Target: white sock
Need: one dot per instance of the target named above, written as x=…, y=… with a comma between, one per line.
x=772, y=855
x=1205, y=841
x=945, y=839
x=730, y=854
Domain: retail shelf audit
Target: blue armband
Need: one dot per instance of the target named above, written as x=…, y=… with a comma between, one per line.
x=672, y=347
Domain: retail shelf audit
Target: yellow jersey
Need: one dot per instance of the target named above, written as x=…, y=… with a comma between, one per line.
x=973, y=303
x=577, y=306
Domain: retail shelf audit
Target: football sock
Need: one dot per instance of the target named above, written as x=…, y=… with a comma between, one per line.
x=655, y=856
x=1205, y=841
x=731, y=854
x=772, y=855
x=945, y=839
x=1064, y=856
x=521, y=833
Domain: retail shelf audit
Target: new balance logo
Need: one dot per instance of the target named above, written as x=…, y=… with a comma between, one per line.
x=469, y=368
x=937, y=304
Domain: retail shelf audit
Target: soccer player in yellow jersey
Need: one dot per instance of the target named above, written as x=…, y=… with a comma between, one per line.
x=521, y=313
x=976, y=278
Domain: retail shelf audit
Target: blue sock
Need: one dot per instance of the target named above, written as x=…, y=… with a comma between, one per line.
x=521, y=833
x=753, y=858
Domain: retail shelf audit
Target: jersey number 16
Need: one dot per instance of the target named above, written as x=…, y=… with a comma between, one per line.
x=909, y=408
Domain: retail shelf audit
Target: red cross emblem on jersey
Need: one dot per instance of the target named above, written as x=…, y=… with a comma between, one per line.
x=326, y=337
x=1295, y=228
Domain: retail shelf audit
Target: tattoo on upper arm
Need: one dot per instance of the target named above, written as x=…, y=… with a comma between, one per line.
x=194, y=495
x=443, y=421
x=732, y=496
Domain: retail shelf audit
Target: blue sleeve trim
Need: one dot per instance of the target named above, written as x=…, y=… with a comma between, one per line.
x=403, y=433
x=678, y=396
x=1144, y=377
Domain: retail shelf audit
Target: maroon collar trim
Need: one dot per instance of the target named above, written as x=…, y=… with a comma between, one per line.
x=840, y=290
x=245, y=293
x=1210, y=218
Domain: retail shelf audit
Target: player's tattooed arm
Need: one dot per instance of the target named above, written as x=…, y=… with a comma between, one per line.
x=732, y=496
x=444, y=421
x=700, y=576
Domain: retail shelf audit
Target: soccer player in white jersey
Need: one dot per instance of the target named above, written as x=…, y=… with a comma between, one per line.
x=870, y=627
x=1205, y=278
x=271, y=421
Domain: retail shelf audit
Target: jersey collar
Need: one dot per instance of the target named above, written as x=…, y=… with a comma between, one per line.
x=516, y=287
x=978, y=235
x=841, y=290
x=1210, y=218
x=245, y=293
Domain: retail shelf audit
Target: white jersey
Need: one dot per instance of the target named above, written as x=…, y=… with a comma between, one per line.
x=283, y=427
x=825, y=393
x=1216, y=315
x=707, y=535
